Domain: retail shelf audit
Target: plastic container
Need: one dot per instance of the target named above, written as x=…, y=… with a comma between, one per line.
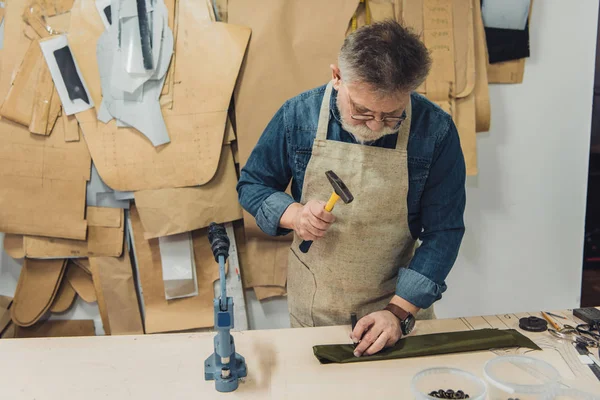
x=569, y=394
x=447, y=378
x=519, y=377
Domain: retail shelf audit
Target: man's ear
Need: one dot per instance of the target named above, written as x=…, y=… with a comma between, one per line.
x=336, y=76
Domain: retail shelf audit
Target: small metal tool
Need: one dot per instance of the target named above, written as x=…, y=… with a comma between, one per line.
x=556, y=315
x=340, y=191
x=575, y=338
x=354, y=321
x=224, y=366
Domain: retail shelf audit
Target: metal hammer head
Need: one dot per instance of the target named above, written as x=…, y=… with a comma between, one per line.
x=339, y=187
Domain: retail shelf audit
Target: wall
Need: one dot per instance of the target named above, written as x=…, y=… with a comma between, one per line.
x=525, y=213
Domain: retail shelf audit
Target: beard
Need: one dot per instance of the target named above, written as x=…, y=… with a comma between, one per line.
x=362, y=133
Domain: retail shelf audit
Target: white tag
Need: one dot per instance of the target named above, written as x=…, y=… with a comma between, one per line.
x=50, y=47
x=584, y=359
x=505, y=14
x=178, y=266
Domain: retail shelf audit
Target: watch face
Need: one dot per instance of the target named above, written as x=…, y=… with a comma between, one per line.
x=408, y=325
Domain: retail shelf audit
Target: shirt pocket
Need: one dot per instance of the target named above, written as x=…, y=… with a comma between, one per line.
x=418, y=173
x=302, y=157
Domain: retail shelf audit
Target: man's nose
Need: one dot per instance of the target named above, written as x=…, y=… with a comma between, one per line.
x=375, y=125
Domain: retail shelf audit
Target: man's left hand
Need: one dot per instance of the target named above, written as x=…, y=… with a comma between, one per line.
x=375, y=331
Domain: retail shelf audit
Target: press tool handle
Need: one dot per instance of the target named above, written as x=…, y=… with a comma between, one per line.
x=219, y=241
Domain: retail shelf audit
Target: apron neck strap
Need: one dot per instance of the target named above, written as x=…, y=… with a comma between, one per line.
x=324, y=114
x=403, y=133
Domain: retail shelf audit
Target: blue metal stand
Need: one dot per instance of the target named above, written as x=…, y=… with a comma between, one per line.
x=224, y=366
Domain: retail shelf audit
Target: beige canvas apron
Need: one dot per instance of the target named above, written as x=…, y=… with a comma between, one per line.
x=354, y=268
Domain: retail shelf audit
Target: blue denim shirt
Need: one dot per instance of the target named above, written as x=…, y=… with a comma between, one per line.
x=436, y=194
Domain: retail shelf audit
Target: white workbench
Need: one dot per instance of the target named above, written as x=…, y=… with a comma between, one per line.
x=281, y=365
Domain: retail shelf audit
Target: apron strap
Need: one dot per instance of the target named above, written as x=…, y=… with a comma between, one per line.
x=324, y=114
x=404, y=132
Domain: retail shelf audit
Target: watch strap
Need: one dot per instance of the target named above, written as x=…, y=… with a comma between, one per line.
x=399, y=312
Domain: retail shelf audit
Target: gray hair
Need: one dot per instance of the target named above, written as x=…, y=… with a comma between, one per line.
x=386, y=56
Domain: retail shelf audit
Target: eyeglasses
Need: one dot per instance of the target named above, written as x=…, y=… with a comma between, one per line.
x=364, y=117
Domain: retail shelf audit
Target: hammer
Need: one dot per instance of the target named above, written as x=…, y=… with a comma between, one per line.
x=340, y=191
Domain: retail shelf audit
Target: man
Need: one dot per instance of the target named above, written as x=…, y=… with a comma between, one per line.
x=399, y=155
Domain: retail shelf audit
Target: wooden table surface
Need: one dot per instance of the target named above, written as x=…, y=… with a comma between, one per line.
x=281, y=365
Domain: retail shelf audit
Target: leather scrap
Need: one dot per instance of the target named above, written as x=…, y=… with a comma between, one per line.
x=429, y=345
x=36, y=290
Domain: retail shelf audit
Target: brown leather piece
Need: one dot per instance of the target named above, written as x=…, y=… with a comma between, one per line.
x=64, y=298
x=37, y=287
x=82, y=283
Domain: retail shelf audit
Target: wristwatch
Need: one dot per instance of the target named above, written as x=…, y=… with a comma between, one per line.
x=407, y=320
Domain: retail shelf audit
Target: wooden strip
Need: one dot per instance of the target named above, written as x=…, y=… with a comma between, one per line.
x=41, y=103
x=71, y=127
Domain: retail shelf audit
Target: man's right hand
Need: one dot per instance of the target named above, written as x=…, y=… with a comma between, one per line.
x=309, y=221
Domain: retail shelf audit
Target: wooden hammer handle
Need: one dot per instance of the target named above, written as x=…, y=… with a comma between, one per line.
x=305, y=245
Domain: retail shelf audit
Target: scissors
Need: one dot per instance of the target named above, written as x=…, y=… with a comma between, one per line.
x=574, y=337
x=588, y=329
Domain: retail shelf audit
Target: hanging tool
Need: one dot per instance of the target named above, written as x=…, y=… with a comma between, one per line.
x=340, y=191
x=224, y=366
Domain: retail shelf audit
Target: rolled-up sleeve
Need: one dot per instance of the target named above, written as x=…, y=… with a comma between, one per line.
x=442, y=210
x=266, y=175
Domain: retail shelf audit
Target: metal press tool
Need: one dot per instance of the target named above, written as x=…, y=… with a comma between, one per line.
x=224, y=366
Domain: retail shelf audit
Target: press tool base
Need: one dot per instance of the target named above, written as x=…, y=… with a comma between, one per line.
x=225, y=375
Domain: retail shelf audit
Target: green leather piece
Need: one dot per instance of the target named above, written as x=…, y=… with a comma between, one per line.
x=429, y=345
